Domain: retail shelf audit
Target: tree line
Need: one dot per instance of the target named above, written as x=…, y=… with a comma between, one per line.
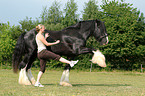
x=124, y=23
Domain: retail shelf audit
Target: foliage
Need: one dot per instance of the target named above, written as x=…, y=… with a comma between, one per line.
x=28, y=24
x=125, y=34
x=6, y=43
x=15, y=32
x=70, y=13
x=52, y=15
x=52, y=18
x=125, y=26
x=91, y=10
x=55, y=27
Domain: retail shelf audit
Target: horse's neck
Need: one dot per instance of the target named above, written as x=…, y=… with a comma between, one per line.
x=55, y=34
x=86, y=32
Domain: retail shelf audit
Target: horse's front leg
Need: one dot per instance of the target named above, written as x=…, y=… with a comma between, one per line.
x=65, y=76
x=83, y=50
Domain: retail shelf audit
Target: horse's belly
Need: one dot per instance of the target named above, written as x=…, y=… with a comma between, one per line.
x=61, y=50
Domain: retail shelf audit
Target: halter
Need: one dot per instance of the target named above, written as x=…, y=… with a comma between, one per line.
x=105, y=35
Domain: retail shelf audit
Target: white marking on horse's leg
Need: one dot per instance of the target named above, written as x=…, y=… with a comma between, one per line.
x=63, y=76
x=21, y=76
x=30, y=77
x=23, y=79
x=67, y=76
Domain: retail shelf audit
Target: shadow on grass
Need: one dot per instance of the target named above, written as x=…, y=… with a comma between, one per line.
x=50, y=84
x=80, y=85
x=109, y=85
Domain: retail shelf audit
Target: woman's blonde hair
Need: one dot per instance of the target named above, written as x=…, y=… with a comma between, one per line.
x=39, y=27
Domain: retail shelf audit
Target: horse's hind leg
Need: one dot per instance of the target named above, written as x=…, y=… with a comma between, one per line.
x=65, y=76
x=28, y=69
x=26, y=77
x=23, y=78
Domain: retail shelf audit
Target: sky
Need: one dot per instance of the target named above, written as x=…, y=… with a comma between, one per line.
x=14, y=11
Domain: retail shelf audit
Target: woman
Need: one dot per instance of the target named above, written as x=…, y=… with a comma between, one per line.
x=44, y=55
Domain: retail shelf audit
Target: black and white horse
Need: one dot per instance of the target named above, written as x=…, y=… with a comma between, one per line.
x=73, y=43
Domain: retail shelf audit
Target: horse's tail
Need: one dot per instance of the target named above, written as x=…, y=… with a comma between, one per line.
x=18, y=52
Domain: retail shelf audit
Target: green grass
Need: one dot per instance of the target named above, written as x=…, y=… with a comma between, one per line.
x=84, y=84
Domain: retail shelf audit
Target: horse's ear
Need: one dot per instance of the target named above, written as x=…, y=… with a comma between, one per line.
x=98, y=22
x=78, y=24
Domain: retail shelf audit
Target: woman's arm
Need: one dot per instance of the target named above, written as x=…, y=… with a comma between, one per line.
x=41, y=37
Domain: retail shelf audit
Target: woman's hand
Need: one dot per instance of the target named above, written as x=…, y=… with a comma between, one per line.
x=57, y=41
x=47, y=35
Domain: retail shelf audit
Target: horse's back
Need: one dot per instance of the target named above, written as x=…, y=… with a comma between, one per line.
x=30, y=39
x=30, y=34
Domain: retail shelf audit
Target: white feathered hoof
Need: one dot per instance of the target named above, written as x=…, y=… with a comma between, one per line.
x=23, y=79
x=98, y=58
x=65, y=84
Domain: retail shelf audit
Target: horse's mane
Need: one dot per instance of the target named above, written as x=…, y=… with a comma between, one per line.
x=78, y=25
x=75, y=26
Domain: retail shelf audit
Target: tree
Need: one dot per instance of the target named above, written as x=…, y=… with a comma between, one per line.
x=52, y=17
x=91, y=10
x=53, y=14
x=125, y=34
x=70, y=11
x=6, y=43
x=28, y=24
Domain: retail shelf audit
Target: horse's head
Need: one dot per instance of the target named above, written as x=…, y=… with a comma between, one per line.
x=100, y=32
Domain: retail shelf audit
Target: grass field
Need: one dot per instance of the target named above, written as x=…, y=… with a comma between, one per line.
x=84, y=84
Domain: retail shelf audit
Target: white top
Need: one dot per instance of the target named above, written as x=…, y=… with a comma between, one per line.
x=40, y=44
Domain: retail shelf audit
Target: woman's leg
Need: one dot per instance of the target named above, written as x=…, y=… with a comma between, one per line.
x=50, y=55
x=42, y=70
x=72, y=63
x=38, y=84
x=39, y=76
x=63, y=60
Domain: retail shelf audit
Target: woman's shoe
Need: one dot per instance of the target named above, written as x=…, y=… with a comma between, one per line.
x=38, y=85
x=73, y=63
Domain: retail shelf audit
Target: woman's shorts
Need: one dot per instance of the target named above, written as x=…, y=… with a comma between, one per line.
x=46, y=55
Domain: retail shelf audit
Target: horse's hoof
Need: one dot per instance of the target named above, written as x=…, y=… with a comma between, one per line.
x=65, y=84
x=24, y=83
x=33, y=81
